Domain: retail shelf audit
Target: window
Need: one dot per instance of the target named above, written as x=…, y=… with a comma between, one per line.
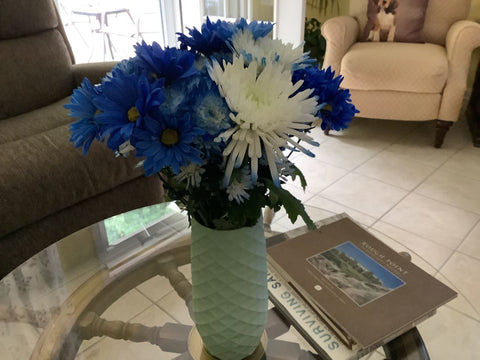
x=122, y=234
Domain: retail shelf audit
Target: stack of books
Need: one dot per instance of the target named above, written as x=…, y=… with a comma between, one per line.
x=346, y=291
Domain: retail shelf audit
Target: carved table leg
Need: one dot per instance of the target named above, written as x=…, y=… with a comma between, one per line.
x=327, y=130
x=169, y=337
x=441, y=130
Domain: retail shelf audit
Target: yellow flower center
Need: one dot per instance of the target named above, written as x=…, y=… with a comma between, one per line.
x=133, y=114
x=169, y=137
x=327, y=107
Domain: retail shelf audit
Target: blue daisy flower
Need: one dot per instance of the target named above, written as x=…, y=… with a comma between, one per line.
x=126, y=67
x=210, y=109
x=81, y=106
x=84, y=132
x=258, y=29
x=211, y=39
x=166, y=142
x=168, y=63
x=337, y=110
x=124, y=102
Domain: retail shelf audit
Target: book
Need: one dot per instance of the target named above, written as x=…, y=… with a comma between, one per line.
x=365, y=292
x=307, y=322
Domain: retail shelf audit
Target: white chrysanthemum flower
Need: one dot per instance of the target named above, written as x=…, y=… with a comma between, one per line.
x=192, y=173
x=264, y=112
x=237, y=189
x=125, y=148
x=265, y=50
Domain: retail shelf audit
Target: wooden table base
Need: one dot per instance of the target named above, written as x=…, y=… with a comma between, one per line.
x=198, y=351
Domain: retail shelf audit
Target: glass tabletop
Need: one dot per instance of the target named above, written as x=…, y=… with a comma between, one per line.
x=79, y=297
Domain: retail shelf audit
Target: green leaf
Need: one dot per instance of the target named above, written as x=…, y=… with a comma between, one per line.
x=297, y=172
x=293, y=206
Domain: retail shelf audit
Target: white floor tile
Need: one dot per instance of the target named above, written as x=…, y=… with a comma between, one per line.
x=336, y=208
x=158, y=286
x=364, y=194
x=175, y=307
x=155, y=288
x=446, y=186
x=471, y=245
x=466, y=161
x=386, y=131
x=435, y=255
x=318, y=174
x=463, y=271
x=126, y=307
x=342, y=154
x=460, y=303
x=451, y=335
x=396, y=170
x=419, y=146
x=432, y=220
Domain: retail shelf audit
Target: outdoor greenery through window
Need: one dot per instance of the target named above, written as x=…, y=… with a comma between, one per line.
x=121, y=226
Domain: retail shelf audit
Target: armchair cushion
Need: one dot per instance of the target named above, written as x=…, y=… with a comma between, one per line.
x=399, y=20
x=415, y=68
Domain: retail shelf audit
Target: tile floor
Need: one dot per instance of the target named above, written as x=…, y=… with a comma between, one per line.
x=387, y=176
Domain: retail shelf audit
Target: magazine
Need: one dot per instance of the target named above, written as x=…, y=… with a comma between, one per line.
x=307, y=322
x=349, y=277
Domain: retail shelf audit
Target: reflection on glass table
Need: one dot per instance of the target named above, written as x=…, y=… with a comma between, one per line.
x=126, y=278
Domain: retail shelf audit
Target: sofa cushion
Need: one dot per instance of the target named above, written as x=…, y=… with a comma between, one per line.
x=418, y=68
x=25, y=17
x=35, y=71
x=44, y=173
x=34, y=122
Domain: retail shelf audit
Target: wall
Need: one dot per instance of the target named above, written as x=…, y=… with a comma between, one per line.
x=316, y=12
x=263, y=10
x=475, y=10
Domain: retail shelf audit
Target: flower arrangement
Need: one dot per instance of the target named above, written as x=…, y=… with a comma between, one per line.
x=215, y=117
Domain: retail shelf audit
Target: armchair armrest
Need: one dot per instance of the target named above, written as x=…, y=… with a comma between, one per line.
x=462, y=38
x=341, y=33
x=93, y=71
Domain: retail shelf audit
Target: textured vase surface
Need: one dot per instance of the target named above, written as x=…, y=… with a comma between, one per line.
x=230, y=296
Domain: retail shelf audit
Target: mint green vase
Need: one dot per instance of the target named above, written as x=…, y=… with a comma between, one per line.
x=230, y=296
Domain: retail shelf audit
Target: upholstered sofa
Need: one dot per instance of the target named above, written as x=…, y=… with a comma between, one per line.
x=406, y=80
x=47, y=188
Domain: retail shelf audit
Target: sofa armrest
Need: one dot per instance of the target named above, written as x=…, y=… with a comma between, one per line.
x=462, y=38
x=341, y=33
x=93, y=71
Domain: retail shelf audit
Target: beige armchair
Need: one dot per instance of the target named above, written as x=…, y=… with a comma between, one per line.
x=406, y=81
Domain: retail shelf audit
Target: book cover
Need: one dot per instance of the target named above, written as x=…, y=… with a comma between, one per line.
x=366, y=289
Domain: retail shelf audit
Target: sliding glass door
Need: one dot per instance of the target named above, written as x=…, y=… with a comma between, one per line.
x=101, y=30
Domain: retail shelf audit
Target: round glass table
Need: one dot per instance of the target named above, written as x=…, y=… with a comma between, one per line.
x=120, y=288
